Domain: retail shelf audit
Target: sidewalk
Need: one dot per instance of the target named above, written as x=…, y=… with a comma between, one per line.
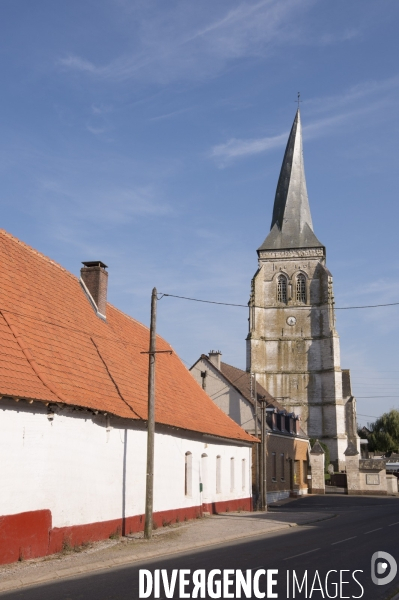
x=182, y=537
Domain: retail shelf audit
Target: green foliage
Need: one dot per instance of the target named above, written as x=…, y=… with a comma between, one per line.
x=326, y=452
x=384, y=436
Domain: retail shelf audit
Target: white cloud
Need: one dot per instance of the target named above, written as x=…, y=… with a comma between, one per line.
x=100, y=109
x=182, y=42
x=78, y=64
x=356, y=93
x=95, y=130
x=112, y=205
x=365, y=98
x=236, y=148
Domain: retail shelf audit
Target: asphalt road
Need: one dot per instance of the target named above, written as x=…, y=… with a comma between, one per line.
x=346, y=543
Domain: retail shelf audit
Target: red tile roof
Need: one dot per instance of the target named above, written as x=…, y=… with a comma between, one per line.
x=54, y=348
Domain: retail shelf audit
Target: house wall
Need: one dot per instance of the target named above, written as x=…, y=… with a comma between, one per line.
x=73, y=479
x=224, y=395
x=241, y=411
x=293, y=479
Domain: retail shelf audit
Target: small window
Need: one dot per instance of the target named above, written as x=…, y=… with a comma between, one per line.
x=231, y=474
x=218, y=474
x=305, y=471
x=203, y=377
x=301, y=289
x=282, y=465
x=297, y=472
x=243, y=474
x=282, y=289
x=204, y=474
x=274, y=466
x=188, y=474
x=282, y=422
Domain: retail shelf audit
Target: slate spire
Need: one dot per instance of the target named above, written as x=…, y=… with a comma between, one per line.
x=292, y=225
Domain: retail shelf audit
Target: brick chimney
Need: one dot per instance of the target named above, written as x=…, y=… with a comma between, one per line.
x=214, y=357
x=95, y=278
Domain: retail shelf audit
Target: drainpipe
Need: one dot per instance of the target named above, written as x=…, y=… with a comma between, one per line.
x=263, y=502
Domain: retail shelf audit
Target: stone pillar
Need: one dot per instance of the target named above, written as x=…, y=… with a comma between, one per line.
x=352, y=468
x=316, y=459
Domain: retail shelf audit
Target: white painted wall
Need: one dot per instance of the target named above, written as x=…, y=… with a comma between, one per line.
x=77, y=469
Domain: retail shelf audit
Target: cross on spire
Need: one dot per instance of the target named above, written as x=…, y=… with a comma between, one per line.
x=298, y=100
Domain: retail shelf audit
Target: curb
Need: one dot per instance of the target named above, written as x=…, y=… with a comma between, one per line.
x=68, y=572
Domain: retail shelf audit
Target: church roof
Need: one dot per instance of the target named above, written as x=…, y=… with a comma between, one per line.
x=55, y=349
x=292, y=225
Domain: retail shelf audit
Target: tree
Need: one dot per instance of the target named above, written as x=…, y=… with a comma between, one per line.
x=384, y=433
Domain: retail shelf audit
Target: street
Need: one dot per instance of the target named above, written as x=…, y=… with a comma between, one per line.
x=361, y=527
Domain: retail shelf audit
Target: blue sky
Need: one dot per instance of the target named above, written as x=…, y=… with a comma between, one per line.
x=150, y=135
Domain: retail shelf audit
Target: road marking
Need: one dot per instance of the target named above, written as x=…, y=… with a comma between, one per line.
x=378, y=528
x=397, y=523
x=340, y=542
x=302, y=554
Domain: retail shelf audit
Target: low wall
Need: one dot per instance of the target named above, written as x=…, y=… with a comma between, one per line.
x=392, y=484
x=31, y=535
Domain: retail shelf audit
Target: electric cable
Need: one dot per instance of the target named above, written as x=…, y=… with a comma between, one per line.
x=162, y=295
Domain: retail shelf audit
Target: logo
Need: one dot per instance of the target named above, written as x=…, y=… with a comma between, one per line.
x=384, y=564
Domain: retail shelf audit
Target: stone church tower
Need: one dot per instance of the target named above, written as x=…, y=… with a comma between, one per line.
x=292, y=345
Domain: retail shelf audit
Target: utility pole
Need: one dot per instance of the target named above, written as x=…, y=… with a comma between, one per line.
x=149, y=492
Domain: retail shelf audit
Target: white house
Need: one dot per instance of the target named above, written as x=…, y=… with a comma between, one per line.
x=73, y=410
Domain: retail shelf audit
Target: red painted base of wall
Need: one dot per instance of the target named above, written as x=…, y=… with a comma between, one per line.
x=30, y=535
x=228, y=505
x=24, y=536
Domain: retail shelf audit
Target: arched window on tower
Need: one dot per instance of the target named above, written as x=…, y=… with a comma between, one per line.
x=301, y=288
x=282, y=289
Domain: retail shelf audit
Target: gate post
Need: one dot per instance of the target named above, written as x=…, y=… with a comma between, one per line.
x=316, y=459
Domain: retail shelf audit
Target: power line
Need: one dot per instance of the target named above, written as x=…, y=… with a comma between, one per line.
x=273, y=307
x=371, y=416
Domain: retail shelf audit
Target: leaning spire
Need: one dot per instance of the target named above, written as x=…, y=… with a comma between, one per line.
x=292, y=225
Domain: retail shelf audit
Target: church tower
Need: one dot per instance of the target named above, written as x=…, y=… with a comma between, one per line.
x=292, y=344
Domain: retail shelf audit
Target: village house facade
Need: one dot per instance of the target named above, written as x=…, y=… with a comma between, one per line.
x=236, y=393
x=73, y=411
